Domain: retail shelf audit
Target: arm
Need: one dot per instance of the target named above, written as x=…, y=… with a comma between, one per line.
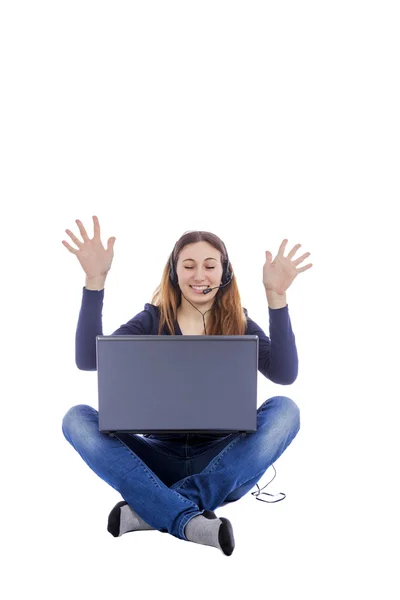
x=278, y=360
x=90, y=325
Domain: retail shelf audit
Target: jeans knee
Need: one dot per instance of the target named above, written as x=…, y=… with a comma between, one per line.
x=74, y=416
x=291, y=412
x=286, y=408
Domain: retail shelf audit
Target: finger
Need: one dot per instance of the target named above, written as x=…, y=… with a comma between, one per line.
x=304, y=268
x=293, y=251
x=84, y=235
x=74, y=238
x=69, y=247
x=96, y=226
x=302, y=257
x=282, y=247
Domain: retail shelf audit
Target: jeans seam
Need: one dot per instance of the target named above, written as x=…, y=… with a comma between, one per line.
x=149, y=473
x=145, y=467
x=214, y=462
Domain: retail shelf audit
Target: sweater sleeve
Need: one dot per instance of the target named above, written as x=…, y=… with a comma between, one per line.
x=90, y=325
x=277, y=356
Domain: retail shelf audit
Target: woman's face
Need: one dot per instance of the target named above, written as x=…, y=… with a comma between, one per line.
x=199, y=264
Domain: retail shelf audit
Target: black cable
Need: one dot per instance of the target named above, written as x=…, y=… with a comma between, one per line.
x=256, y=494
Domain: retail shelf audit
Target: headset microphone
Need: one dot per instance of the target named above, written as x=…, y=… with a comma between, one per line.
x=216, y=287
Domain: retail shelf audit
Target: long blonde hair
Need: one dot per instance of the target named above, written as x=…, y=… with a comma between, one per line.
x=227, y=316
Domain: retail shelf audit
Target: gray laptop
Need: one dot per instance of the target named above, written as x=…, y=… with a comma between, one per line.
x=177, y=384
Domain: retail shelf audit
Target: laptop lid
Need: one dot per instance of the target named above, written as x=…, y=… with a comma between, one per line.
x=175, y=384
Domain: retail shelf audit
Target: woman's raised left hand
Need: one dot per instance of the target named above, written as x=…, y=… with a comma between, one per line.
x=279, y=274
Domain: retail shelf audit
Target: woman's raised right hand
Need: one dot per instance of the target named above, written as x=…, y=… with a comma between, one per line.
x=94, y=258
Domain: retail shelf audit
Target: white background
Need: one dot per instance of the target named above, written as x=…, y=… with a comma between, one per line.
x=257, y=121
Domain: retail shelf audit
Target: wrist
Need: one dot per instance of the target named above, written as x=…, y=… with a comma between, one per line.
x=95, y=283
x=275, y=300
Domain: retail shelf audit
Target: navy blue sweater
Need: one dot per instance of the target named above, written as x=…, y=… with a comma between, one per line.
x=277, y=358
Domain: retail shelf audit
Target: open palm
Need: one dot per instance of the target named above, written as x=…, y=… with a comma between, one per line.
x=279, y=274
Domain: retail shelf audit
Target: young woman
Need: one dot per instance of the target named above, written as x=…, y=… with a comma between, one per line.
x=174, y=482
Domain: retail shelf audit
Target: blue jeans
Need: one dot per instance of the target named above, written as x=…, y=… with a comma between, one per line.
x=169, y=481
